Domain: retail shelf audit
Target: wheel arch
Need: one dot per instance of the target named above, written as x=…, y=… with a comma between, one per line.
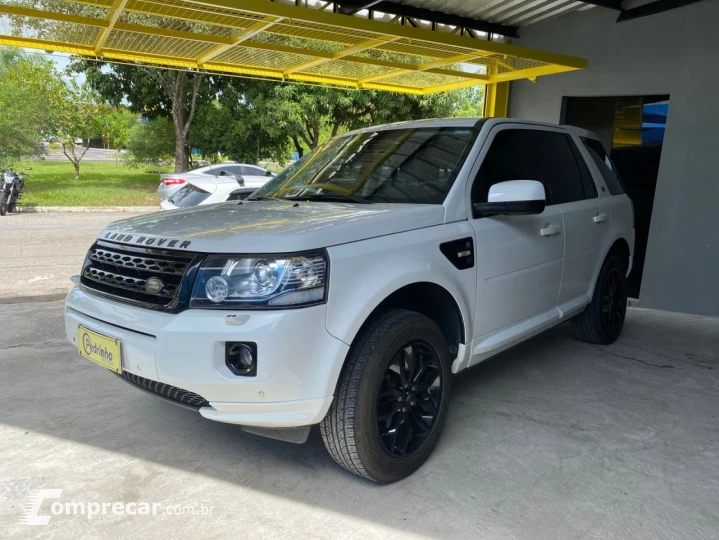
x=431, y=300
x=620, y=247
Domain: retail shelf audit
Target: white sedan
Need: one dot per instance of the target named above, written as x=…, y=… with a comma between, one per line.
x=210, y=190
x=172, y=182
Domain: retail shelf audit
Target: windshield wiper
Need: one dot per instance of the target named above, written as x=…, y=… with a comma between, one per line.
x=261, y=198
x=329, y=197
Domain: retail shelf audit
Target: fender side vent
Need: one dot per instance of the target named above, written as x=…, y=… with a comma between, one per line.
x=459, y=252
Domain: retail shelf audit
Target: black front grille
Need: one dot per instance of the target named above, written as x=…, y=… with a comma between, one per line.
x=123, y=272
x=167, y=391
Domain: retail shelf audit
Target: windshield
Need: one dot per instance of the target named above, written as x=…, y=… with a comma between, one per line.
x=394, y=166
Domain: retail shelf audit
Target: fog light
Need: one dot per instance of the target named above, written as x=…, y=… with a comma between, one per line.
x=241, y=358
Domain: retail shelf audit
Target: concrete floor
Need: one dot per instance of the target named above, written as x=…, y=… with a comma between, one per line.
x=39, y=252
x=554, y=439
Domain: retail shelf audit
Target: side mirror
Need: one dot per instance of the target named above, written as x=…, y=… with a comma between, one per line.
x=514, y=197
x=240, y=179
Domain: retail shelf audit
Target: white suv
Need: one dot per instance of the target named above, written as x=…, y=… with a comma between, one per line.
x=349, y=289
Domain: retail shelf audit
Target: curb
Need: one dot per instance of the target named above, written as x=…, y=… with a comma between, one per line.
x=37, y=209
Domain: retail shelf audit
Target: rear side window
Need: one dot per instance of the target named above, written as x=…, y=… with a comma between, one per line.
x=511, y=157
x=188, y=196
x=252, y=171
x=239, y=195
x=605, y=165
x=559, y=166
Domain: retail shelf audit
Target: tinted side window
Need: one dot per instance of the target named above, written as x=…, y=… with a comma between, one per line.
x=605, y=165
x=228, y=170
x=559, y=167
x=590, y=188
x=239, y=195
x=511, y=157
x=252, y=171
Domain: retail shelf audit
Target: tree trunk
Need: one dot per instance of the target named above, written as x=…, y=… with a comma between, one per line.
x=77, y=169
x=182, y=160
x=179, y=103
x=315, y=134
x=298, y=146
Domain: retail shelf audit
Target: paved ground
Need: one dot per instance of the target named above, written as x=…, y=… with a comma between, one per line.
x=39, y=252
x=93, y=154
x=554, y=439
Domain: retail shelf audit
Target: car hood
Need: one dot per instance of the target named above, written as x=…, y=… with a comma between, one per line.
x=270, y=226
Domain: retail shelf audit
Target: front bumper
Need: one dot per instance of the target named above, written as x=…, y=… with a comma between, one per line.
x=297, y=368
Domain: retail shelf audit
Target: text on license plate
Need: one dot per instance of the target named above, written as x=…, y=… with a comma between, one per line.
x=100, y=349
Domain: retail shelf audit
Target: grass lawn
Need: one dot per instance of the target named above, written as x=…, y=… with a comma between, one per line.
x=100, y=184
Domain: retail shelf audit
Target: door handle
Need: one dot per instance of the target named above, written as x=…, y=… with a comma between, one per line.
x=549, y=230
x=600, y=217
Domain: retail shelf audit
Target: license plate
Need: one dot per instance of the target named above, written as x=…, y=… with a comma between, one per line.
x=100, y=349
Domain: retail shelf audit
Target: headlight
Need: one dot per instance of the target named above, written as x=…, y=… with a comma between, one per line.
x=260, y=281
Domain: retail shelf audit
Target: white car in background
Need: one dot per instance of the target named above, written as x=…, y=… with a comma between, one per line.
x=172, y=182
x=202, y=190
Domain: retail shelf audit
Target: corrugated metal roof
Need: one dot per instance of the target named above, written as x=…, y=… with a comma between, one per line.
x=509, y=12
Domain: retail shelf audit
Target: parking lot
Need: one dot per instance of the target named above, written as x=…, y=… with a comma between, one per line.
x=552, y=439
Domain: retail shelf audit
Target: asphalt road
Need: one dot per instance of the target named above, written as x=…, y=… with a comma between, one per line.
x=93, y=154
x=40, y=251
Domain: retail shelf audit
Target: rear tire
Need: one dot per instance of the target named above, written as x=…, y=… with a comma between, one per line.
x=3, y=203
x=603, y=319
x=392, y=398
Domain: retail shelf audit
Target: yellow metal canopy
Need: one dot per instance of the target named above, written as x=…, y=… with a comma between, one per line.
x=274, y=40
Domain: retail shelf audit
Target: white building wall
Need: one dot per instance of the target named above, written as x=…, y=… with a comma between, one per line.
x=675, y=53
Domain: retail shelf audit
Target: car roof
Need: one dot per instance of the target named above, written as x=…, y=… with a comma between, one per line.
x=428, y=123
x=470, y=122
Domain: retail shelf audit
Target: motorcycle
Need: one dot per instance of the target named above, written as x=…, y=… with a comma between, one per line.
x=11, y=188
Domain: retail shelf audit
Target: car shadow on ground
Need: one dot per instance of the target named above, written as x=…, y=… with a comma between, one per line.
x=529, y=432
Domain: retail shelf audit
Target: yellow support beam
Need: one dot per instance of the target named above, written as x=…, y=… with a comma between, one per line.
x=262, y=7
x=289, y=34
x=250, y=32
x=496, y=100
x=529, y=73
x=349, y=51
x=113, y=17
x=428, y=66
x=52, y=16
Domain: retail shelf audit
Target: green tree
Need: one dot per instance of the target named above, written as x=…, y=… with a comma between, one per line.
x=81, y=115
x=154, y=93
x=151, y=142
x=116, y=126
x=242, y=129
x=28, y=89
x=311, y=114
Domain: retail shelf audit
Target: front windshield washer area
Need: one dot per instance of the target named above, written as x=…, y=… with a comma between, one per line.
x=415, y=166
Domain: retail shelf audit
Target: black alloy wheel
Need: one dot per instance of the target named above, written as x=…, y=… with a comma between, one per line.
x=409, y=399
x=392, y=397
x=614, y=300
x=602, y=320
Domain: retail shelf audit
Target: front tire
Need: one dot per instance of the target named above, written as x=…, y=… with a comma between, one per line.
x=3, y=203
x=603, y=319
x=392, y=398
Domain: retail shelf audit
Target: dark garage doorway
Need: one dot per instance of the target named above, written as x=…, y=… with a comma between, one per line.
x=632, y=129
